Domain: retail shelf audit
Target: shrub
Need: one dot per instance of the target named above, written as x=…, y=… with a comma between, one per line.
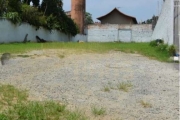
x=124, y=86
x=98, y=111
x=172, y=50
x=13, y=17
x=31, y=15
x=145, y=104
x=162, y=47
x=49, y=15
x=156, y=42
x=153, y=43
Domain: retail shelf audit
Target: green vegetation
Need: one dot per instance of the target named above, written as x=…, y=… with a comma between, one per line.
x=106, y=89
x=98, y=111
x=14, y=105
x=24, y=56
x=124, y=86
x=88, y=18
x=61, y=56
x=163, y=48
x=49, y=14
x=139, y=48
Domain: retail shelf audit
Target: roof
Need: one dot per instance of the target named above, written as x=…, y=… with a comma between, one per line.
x=115, y=9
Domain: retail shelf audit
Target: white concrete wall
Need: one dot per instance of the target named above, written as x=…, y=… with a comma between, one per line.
x=164, y=26
x=79, y=37
x=95, y=33
x=113, y=32
x=16, y=33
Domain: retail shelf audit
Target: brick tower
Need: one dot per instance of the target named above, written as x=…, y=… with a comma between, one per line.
x=78, y=9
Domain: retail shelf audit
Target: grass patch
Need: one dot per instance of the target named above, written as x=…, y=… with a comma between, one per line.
x=9, y=96
x=23, y=56
x=61, y=56
x=145, y=104
x=77, y=115
x=106, y=89
x=98, y=111
x=140, y=48
x=14, y=105
x=124, y=86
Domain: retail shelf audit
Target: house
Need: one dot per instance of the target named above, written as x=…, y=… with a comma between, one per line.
x=117, y=17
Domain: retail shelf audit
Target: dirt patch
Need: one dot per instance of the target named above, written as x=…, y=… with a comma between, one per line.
x=79, y=80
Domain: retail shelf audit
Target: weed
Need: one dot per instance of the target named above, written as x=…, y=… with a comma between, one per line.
x=98, y=111
x=3, y=117
x=124, y=86
x=9, y=95
x=61, y=56
x=15, y=106
x=155, y=43
x=172, y=50
x=106, y=89
x=77, y=115
x=38, y=110
x=162, y=47
x=109, y=83
x=24, y=56
x=145, y=104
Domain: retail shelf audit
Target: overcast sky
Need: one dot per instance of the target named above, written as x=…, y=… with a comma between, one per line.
x=141, y=9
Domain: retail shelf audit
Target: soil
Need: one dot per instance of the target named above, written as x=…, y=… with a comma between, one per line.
x=79, y=80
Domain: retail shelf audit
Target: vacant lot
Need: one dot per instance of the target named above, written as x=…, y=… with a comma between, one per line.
x=126, y=86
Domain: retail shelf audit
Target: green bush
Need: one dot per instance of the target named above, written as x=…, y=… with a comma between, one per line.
x=49, y=15
x=156, y=42
x=172, y=50
x=153, y=43
x=13, y=16
x=31, y=15
x=162, y=47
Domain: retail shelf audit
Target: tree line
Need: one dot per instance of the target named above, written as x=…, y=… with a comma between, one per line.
x=49, y=14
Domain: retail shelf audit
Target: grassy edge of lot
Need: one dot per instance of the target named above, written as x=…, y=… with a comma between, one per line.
x=139, y=48
x=14, y=105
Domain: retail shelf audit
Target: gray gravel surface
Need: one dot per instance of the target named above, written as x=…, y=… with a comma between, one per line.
x=79, y=80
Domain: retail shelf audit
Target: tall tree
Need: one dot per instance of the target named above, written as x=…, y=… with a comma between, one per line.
x=3, y=6
x=35, y=2
x=88, y=18
x=14, y=6
x=51, y=7
x=150, y=21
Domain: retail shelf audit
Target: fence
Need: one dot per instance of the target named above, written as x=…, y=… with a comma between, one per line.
x=115, y=32
x=16, y=33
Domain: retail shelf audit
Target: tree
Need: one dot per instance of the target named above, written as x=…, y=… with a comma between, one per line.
x=3, y=6
x=51, y=7
x=14, y=6
x=57, y=17
x=49, y=15
x=150, y=21
x=88, y=18
x=35, y=2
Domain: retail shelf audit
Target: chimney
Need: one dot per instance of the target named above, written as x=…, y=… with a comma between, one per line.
x=78, y=10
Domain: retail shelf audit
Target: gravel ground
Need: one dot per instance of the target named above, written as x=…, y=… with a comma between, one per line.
x=79, y=80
